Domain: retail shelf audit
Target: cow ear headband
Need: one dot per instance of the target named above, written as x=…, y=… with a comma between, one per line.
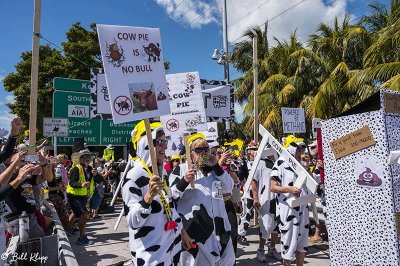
x=140, y=130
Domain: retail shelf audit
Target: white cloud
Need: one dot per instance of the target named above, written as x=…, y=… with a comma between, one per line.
x=305, y=17
x=193, y=13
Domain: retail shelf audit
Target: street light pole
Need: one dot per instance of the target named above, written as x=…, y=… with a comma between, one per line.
x=225, y=41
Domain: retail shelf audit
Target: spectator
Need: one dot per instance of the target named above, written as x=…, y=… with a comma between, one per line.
x=80, y=187
x=108, y=153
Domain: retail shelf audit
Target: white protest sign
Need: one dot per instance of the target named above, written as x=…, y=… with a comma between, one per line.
x=212, y=132
x=55, y=127
x=293, y=120
x=217, y=101
x=100, y=106
x=175, y=145
x=186, y=103
x=134, y=67
x=303, y=177
x=316, y=123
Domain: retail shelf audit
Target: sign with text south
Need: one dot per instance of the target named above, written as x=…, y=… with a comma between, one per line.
x=134, y=67
x=186, y=102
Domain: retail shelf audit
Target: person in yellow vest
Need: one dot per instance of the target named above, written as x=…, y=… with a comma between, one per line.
x=80, y=188
x=108, y=153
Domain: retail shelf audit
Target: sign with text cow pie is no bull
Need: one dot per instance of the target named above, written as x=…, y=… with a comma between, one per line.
x=293, y=120
x=186, y=103
x=134, y=67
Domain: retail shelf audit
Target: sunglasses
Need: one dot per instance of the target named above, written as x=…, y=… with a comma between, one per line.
x=199, y=150
x=161, y=142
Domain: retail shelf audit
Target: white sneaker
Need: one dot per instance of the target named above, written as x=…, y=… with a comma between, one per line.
x=273, y=253
x=261, y=255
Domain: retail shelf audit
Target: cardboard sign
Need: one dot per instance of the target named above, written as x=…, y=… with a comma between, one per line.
x=212, y=132
x=392, y=103
x=293, y=120
x=186, y=104
x=350, y=143
x=134, y=67
x=100, y=106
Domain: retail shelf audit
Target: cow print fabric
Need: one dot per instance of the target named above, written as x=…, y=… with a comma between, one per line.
x=149, y=242
x=204, y=218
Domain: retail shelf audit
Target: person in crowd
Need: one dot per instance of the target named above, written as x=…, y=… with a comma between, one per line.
x=108, y=153
x=8, y=148
x=114, y=174
x=81, y=187
x=224, y=160
x=293, y=221
x=247, y=198
x=265, y=204
x=24, y=198
x=168, y=165
x=318, y=166
x=202, y=208
x=154, y=224
x=175, y=161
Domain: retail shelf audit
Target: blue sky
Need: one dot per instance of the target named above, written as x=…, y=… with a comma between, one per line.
x=190, y=29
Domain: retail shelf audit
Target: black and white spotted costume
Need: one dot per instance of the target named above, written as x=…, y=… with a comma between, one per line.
x=204, y=216
x=247, y=208
x=150, y=244
x=293, y=222
x=266, y=214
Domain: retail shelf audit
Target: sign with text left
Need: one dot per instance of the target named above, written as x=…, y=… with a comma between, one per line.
x=134, y=67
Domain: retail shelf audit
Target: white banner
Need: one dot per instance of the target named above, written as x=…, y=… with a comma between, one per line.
x=134, y=66
x=212, y=132
x=186, y=103
x=217, y=101
x=293, y=120
x=100, y=106
x=175, y=145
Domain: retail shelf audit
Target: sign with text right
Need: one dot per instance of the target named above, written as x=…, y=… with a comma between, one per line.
x=293, y=120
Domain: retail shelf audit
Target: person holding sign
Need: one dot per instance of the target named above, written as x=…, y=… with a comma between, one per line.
x=202, y=208
x=154, y=224
x=293, y=222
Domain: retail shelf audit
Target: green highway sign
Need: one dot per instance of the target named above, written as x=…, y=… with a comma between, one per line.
x=64, y=84
x=76, y=107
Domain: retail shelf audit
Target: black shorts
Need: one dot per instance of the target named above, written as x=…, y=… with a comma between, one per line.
x=77, y=204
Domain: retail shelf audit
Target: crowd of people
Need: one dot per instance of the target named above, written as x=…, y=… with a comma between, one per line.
x=184, y=211
x=181, y=211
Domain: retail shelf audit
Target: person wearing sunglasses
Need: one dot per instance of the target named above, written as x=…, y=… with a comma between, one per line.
x=154, y=224
x=202, y=208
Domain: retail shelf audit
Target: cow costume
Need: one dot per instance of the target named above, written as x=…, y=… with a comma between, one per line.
x=150, y=243
x=267, y=198
x=204, y=216
x=293, y=222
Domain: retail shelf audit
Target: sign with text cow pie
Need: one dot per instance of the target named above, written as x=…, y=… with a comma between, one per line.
x=134, y=67
x=100, y=107
x=186, y=103
x=293, y=120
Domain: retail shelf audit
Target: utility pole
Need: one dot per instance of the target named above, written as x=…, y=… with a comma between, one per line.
x=34, y=77
x=225, y=41
x=255, y=90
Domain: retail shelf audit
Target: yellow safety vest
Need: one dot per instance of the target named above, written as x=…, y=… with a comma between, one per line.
x=81, y=191
x=108, y=154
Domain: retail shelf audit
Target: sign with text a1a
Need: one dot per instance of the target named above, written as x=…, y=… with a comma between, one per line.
x=293, y=120
x=55, y=127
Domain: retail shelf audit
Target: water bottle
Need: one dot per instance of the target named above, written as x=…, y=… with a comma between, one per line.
x=23, y=227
